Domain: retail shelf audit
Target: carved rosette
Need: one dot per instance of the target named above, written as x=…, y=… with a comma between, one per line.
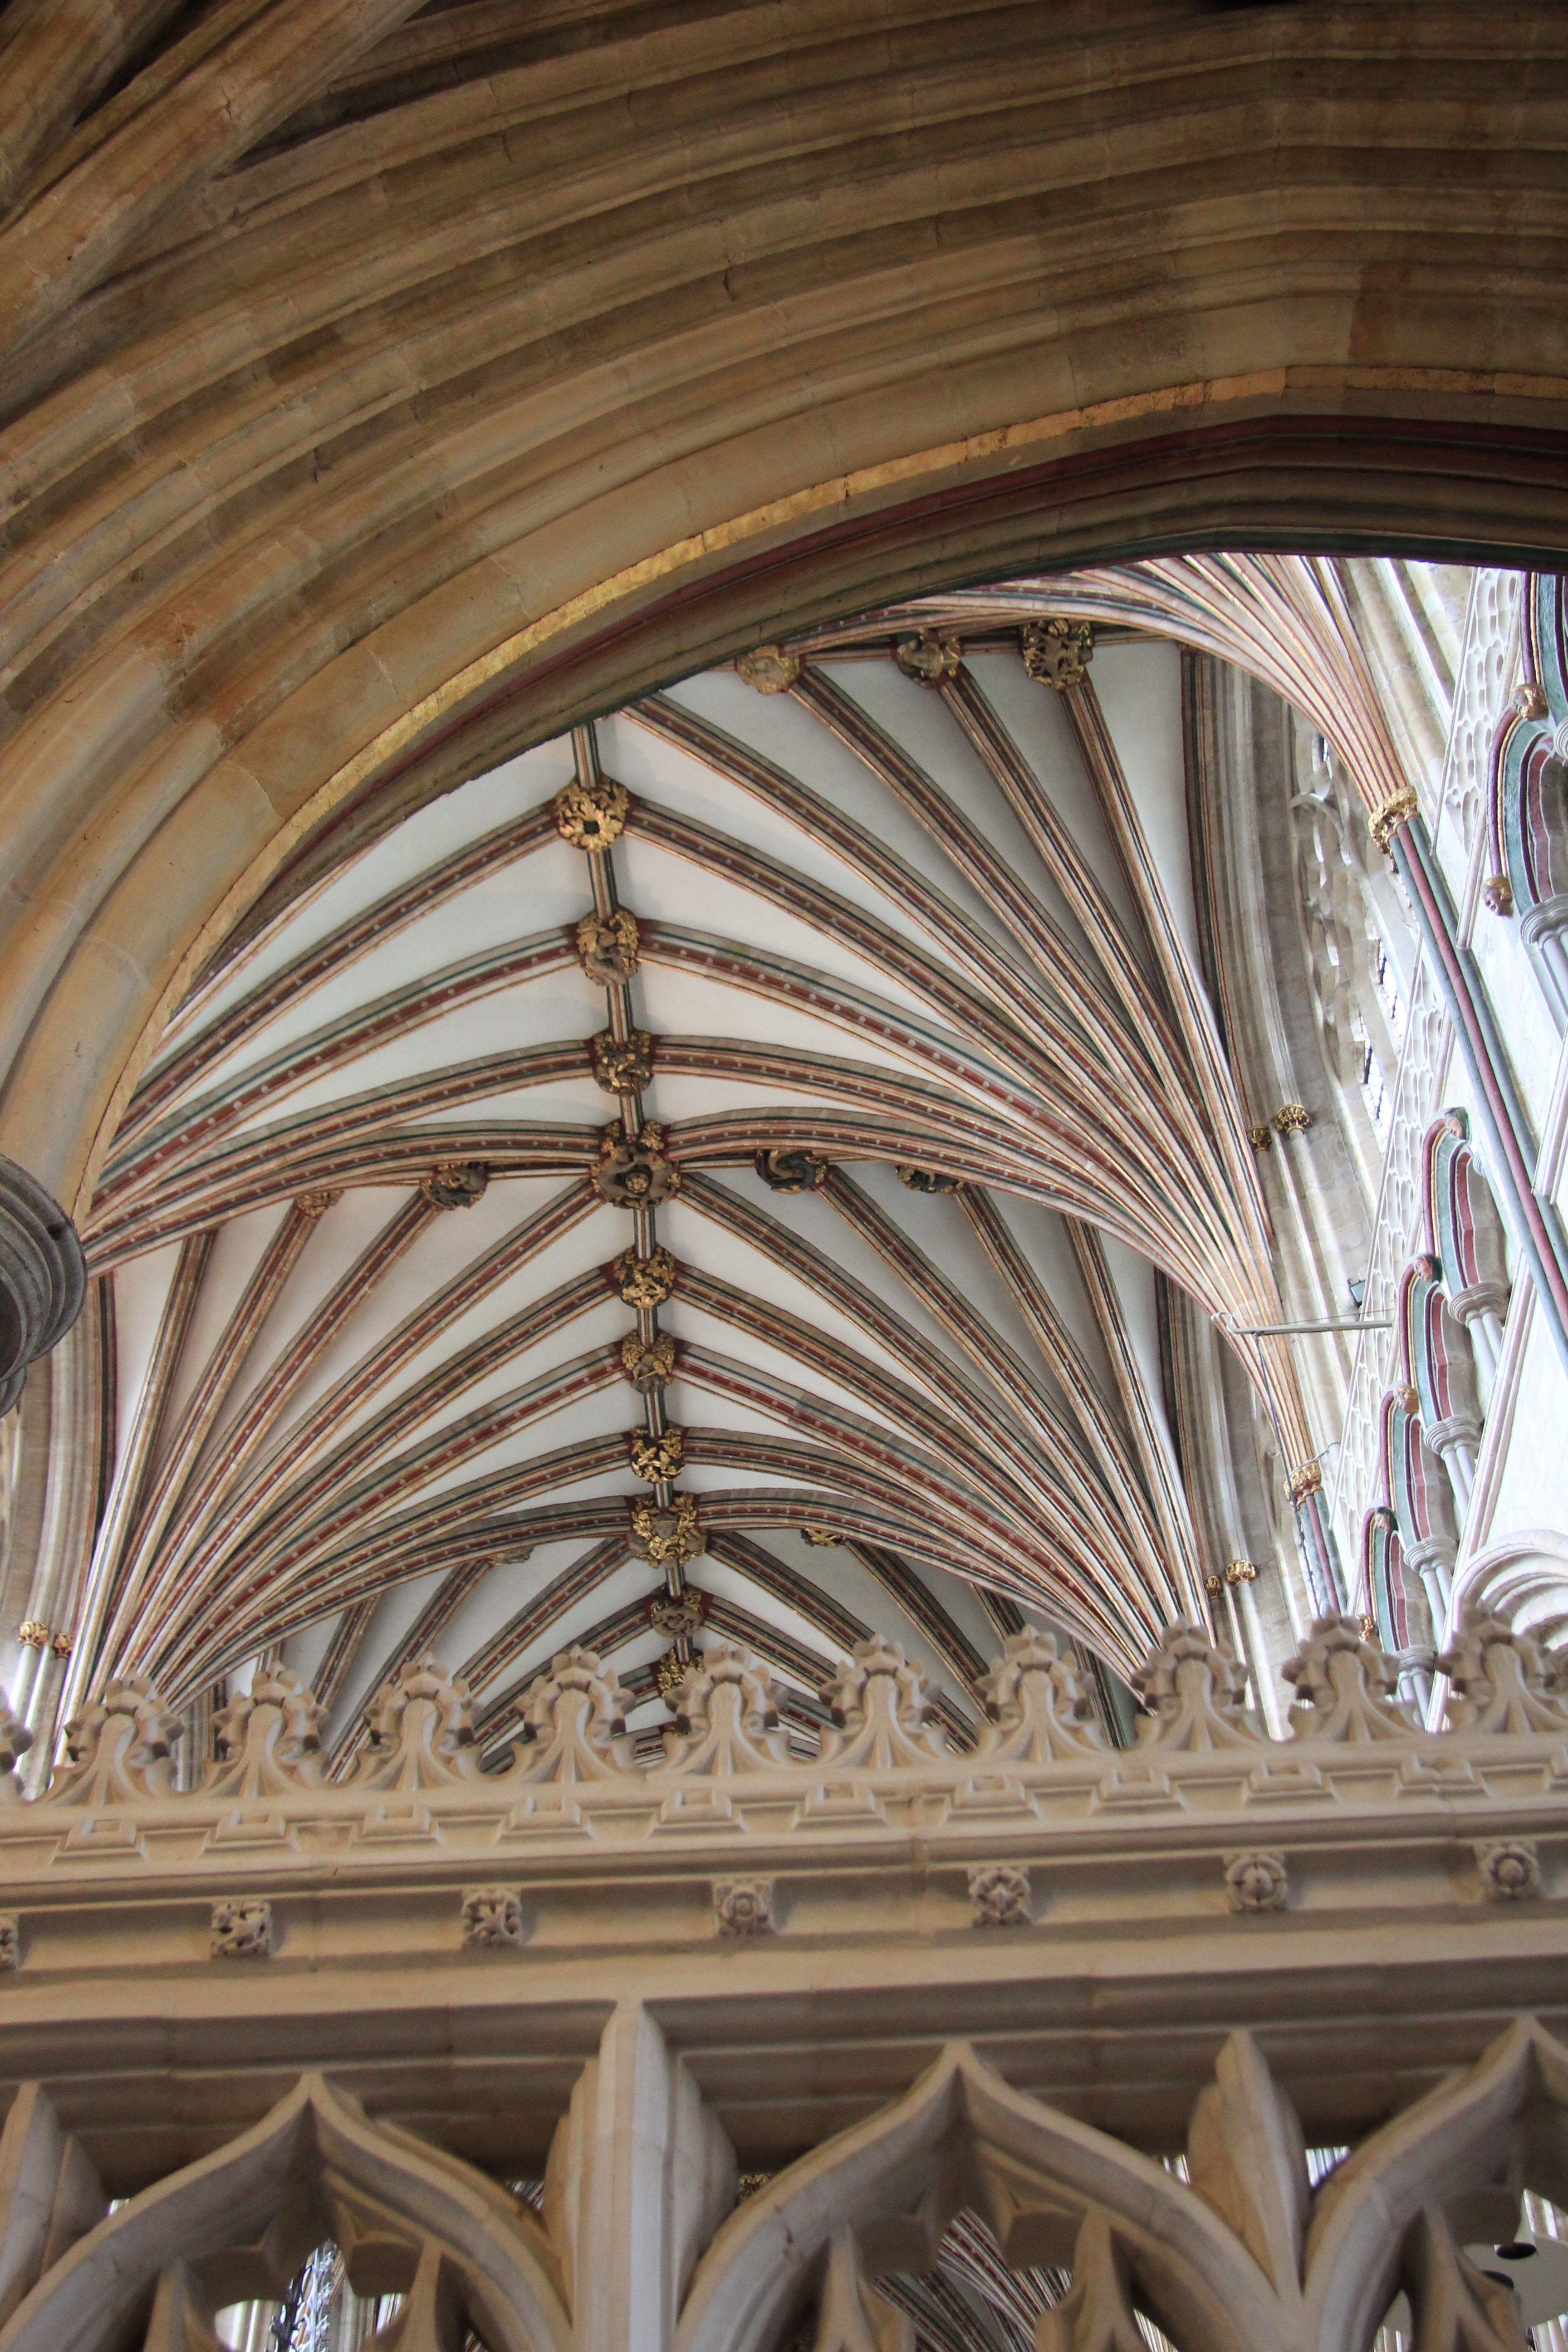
x=1035, y=1703
x=665, y=1533
x=880, y=1705
x=743, y=1906
x=622, y=1065
x=633, y=1172
x=421, y=1731
x=1195, y=1695
x=648, y=1364
x=119, y=1747
x=1344, y=1686
x=769, y=669
x=645, y=1281
x=269, y=1739
x=575, y=1720
x=491, y=1919
x=1501, y=1680
x=456, y=1184
x=590, y=814
x=726, y=1715
x=928, y=658
x=1257, y=1882
x=999, y=1894
x=1509, y=1869
x=609, y=947
x=791, y=1171
x=1058, y=652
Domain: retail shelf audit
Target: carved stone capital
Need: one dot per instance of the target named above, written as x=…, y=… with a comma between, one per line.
x=42, y=1276
x=1396, y=810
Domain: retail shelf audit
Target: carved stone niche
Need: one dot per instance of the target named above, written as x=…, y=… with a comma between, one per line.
x=242, y=1930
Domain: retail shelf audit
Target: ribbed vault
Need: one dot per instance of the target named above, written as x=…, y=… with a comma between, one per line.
x=386, y=387
x=730, y=1148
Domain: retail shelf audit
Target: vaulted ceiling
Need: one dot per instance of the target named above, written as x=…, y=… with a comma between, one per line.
x=727, y=1149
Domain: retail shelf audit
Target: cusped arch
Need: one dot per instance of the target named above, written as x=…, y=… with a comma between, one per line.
x=238, y=2222
x=962, y=2135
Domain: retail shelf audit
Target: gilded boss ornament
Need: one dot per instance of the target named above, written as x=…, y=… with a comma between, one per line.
x=608, y=946
x=456, y=1183
x=926, y=1179
x=657, y=1459
x=669, y=1671
x=666, y=1532
x=632, y=1171
x=769, y=669
x=622, y=1065
x=1058, y=653
x=648, y=1364
x=645, y=1281
x=677, y=1615
x=592, y=813
x=928, y=660
x=791, y=1171
x=1397, y=810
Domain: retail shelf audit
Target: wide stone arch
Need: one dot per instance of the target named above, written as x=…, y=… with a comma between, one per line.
x=858, y=308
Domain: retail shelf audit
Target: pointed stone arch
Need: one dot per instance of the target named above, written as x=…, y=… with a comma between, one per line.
x=237, y=2223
